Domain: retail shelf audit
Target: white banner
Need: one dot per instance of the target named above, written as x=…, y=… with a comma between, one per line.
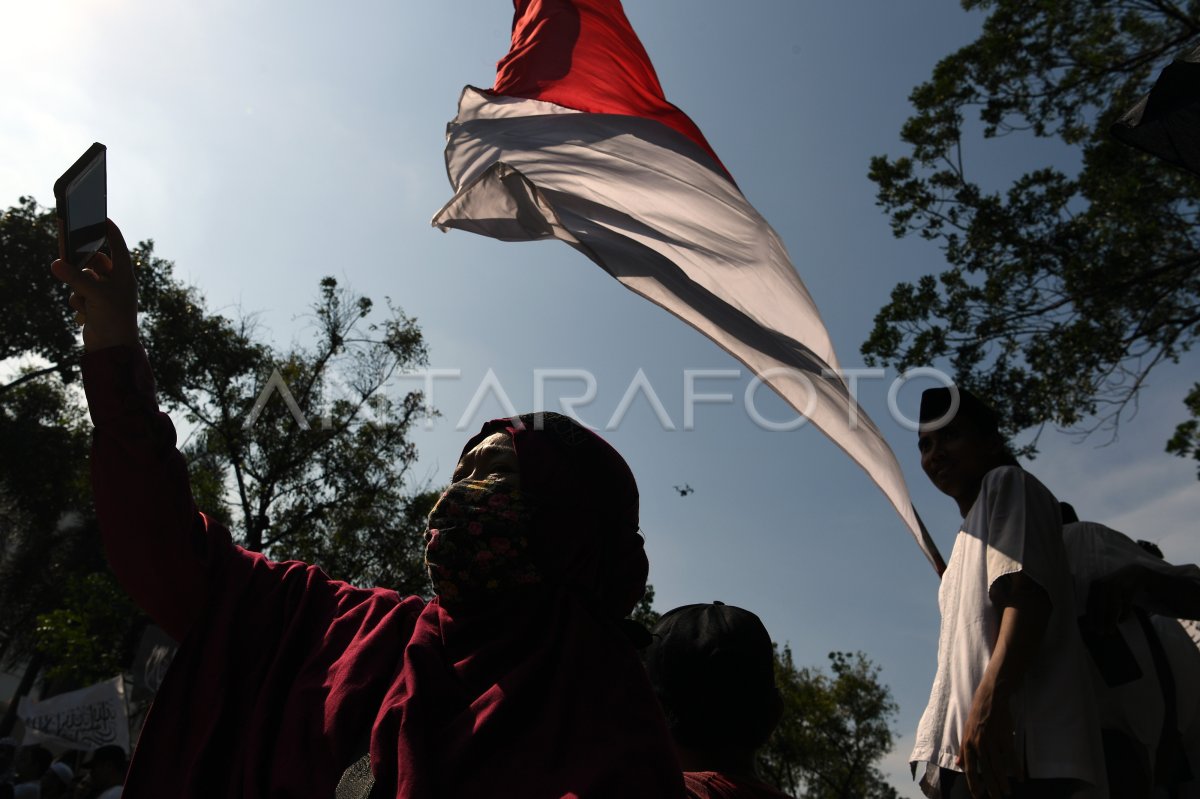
x=88, y=718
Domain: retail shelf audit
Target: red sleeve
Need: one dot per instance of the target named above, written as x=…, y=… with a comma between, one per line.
x=280, y=671
x=158, y=545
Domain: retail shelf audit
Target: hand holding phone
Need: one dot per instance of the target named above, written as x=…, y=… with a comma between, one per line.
x=104, y=294
x=104, y=291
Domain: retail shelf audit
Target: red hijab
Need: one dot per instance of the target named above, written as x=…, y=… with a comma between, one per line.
x=539, y=694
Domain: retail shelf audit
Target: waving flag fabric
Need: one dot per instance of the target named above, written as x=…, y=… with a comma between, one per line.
x=1166, y=122
x=576, y=142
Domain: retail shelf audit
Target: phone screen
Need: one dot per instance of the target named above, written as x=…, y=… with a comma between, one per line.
x=84, y=206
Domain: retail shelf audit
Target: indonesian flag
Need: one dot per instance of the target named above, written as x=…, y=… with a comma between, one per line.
x=576, y=142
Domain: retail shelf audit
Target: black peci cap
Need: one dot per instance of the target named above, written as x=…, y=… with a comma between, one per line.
x=713, y=668
x=937, y=405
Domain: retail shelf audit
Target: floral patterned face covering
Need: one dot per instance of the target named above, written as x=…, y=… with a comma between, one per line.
x=477, y=544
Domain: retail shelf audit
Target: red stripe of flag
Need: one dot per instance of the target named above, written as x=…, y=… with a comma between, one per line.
x=583, y=54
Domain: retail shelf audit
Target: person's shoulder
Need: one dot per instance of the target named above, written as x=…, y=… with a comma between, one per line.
x=1095, y=531
x=1000, y=486
x=1008, y=474
x=1012, y=479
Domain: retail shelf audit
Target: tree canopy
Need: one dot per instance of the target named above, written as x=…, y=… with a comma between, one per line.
x=38, y=321
x=1065, y=289
x=302, y=451
x=327, y=483
x=835, y=728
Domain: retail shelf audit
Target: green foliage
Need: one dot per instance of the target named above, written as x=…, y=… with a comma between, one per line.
x=51, y=556
x=303, y=452
x=45, y=517
x=1064, y=290
x=644, y=612
x=1186, y=441
x=42, y=328
x=334, y=494
x=835, y=728
x=61, y=616
x=87, y=639
x=50, y=536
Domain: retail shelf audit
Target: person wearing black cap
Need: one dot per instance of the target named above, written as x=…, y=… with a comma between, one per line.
x=1011, y=711
x=713, y=670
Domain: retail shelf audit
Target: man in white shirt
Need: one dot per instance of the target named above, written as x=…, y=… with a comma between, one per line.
x=1008, y=714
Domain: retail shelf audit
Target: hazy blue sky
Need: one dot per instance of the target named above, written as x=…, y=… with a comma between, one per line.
x=265, y=144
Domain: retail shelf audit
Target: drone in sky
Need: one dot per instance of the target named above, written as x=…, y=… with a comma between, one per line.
x=684, y=489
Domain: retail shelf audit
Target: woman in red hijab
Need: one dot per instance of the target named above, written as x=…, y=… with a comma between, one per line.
x=516, y=680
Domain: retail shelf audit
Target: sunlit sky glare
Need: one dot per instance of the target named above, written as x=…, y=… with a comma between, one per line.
x=262, y=145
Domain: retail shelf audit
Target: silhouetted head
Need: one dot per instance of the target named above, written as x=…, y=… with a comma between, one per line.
x=960, y=442
x=713, y=669
x=538, y=500
x=107, y=766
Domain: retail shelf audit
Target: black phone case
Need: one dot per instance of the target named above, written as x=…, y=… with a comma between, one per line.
x=65, y=180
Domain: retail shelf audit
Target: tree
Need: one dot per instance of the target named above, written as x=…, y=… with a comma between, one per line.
x=49, y=539
x=644, y=612
x=43, y=326
x=327, y=485
x=835, y=728
x=302, y=450
x=1066, y=289
x=58, y=615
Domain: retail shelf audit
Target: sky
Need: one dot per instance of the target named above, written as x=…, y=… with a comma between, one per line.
x=264, y=144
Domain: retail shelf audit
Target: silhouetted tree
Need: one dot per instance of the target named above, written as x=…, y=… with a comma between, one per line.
x=328, y=485
x=834, y=730
x=1067, y=288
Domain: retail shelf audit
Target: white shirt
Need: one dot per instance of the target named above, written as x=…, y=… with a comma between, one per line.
x=1184, y=656
x=1135, y=707
x=1013, y=526
x=111, y=793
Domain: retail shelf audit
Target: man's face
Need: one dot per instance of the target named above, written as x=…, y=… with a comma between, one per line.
x=957, y=456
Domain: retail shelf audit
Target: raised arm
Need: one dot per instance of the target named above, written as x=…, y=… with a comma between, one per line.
x=160, y=548
x=1156, y=586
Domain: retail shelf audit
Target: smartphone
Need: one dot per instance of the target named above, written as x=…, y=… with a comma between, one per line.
x=82, y=198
